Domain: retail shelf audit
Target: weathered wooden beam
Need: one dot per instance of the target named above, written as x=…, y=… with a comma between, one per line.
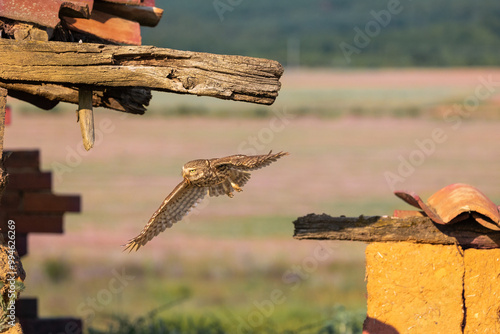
x=46, y=96
x=468, y=233
x=236, y=78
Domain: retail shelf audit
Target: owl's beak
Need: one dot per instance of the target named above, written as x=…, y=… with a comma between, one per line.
x=184, y=175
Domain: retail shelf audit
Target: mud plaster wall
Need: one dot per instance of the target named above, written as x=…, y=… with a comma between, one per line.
x=482, y=291
x=419, y=288
x=414, y=288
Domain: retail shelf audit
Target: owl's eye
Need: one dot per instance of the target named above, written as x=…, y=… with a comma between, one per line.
x=192, y=171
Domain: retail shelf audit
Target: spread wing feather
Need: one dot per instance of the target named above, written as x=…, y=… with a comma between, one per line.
x=239, y=177
x=248, y=162
x=180, y=201
x=220, y=189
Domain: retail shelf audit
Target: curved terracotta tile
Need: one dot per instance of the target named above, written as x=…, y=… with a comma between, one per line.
x=455, y=203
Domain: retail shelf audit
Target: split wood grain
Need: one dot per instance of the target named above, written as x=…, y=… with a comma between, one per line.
x=236, y=78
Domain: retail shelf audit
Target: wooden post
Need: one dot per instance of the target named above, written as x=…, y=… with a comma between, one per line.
x=3, y=173
x=86, y=117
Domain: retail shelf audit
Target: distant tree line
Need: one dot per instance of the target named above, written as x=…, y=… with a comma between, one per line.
x=336, y=33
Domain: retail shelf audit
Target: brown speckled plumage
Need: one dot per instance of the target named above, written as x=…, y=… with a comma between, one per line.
x=218, y=176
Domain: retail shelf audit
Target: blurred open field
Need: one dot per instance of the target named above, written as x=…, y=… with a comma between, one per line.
x=354, y=136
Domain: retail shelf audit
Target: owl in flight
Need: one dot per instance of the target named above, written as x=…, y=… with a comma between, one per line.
x=216, y=177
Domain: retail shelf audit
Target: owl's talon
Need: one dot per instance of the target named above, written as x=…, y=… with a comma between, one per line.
x=236, y=187
x=230, y=194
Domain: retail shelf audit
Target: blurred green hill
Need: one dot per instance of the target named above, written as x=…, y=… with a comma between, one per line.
x=313, y=33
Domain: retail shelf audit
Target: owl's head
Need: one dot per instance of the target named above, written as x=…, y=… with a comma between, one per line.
x=194, y=170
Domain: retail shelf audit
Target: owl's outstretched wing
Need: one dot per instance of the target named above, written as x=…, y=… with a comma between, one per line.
x=180, y=201
x=247, y=162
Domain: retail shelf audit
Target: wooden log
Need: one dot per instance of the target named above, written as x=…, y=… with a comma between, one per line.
x=46, y=96
x=236, y=78
x=145, y=16
x=467, y=233
x=36, y=100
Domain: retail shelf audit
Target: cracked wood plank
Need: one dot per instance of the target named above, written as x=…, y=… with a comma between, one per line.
x=468, y=233
x=236, y=78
